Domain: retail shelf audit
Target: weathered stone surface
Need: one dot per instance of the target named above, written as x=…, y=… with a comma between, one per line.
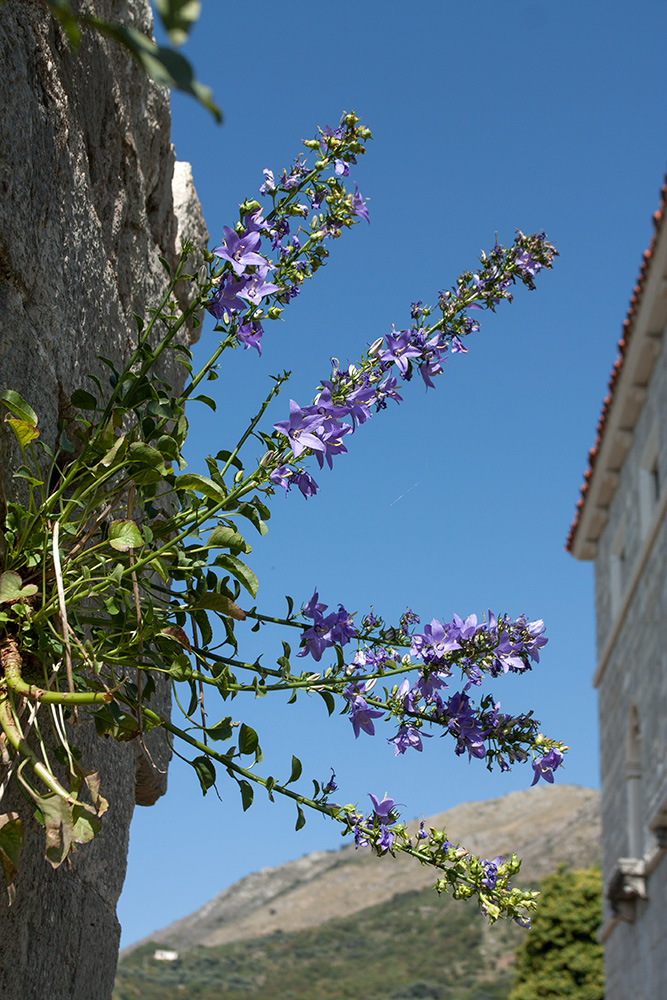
x=86, y=208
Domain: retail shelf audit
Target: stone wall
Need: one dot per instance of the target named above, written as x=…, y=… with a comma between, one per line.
x=86, y=207
x=632, y=683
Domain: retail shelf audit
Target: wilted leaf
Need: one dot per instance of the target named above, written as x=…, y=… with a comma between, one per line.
x=24, y=431
x=223, y=605
x=11, y=839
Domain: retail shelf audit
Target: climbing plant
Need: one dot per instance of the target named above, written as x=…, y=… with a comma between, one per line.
x=117, y=565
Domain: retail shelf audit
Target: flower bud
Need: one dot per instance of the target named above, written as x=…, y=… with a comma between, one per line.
x=249, y=206
x=374, y=349
x=239, y=476
x=311, y=143
x=266, y=459
x=202, y=276
x=274, y=312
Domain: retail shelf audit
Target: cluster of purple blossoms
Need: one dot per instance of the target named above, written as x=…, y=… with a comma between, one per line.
x=287, y=476
x=245, y=284
x=336, y=629
x=380, y=820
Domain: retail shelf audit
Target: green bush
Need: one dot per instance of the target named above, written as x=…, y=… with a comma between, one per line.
x=560, y=956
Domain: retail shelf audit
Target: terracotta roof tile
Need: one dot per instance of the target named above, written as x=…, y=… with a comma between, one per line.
x=618, y=363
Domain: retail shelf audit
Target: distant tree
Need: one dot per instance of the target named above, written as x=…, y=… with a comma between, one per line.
x=560, y=956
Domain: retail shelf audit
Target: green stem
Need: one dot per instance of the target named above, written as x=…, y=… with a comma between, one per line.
x=237, y=768
x=19, y=745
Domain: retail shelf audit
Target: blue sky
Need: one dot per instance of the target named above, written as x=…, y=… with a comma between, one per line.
x=486, y=117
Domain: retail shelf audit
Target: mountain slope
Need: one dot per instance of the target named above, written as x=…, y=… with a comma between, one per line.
x=545, y=825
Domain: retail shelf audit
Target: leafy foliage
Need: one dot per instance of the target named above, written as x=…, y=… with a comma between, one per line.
x=560, y=956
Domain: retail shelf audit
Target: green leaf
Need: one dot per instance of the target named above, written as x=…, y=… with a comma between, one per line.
x=270, y=785
x=83, y=400
x=168, y=447
x=110, y=720
x=248, y=740
x=23, y=472
x=144, y=453
x=11, y=588
x=300, y=818
x=239, y=571
x=199, y=484
x=247, y=793
x=222, y=730
x=205, y=772
x=225, y=537
x=297, y=768
x=224, y=456
x=178, y=16
x=18, y=406
x=124, y=535
x=207, y=400
x=248, y=511
x=181, y=668
x=329, y=701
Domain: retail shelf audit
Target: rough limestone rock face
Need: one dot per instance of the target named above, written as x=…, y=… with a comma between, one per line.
x=86, y=207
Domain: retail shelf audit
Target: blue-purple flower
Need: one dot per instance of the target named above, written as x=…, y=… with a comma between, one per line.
x=362, y=715
x=240, y=250
x=545, y=766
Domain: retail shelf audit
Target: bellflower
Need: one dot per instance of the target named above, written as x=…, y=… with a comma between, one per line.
x=269, y=182
x=400, y=350
x=226, y=298
x=300, y=430
x=362, y=715
x=382, y=808
x=407, y=737
x=250, y=335
x=240, y=250
x=358, y=205
x=545, y=766
x=256, y=287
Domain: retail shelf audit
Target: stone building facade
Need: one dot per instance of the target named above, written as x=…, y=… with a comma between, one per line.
x=90, y=198
x=621, y=525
